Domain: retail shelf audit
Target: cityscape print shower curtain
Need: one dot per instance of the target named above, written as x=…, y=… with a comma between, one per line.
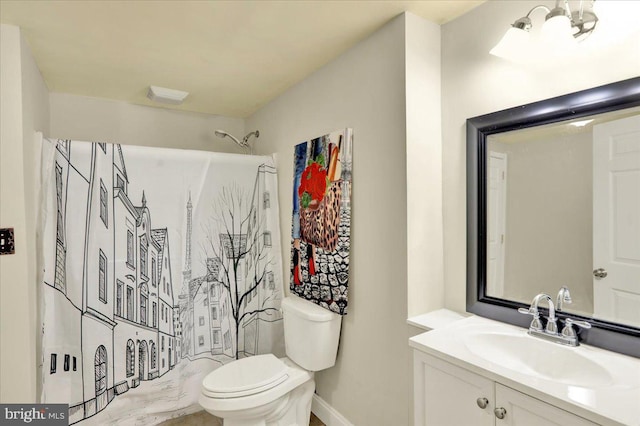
x=321, y=222
x=159, y=265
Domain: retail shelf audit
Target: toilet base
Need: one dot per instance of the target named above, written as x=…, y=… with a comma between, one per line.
x=298, y=409
x=292, y=409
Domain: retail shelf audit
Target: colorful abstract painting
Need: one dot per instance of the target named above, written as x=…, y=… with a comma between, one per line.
x=322, y=220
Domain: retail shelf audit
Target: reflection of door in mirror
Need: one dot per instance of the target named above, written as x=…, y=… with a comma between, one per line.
x=497, y=184
x=616, y=220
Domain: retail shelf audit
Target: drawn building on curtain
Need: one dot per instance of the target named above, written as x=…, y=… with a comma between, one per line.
x=204, y=306
x=117, y=302
x=264, y=295
x=201, y=329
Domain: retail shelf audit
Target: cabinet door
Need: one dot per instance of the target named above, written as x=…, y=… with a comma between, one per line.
x=447, y=395
x=524, y=410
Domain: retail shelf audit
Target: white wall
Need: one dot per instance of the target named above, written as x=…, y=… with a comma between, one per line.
x=24, y=109
x=475, y=83
x=367, y=89
x=93, y=119
x=425, y=268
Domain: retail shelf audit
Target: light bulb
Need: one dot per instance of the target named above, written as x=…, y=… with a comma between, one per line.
x=514, y=44
x=557, y=35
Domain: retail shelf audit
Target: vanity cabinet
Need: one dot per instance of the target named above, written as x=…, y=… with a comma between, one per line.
x=447, y=395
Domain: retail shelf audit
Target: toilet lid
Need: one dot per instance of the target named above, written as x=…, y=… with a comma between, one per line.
x=246, y=376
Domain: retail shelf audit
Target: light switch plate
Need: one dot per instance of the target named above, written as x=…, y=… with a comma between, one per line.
x=7, y=243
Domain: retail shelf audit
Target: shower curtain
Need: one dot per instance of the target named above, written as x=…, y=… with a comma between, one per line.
x=158, y=266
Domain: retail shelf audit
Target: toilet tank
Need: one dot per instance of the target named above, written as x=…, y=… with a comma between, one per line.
x=311, y=333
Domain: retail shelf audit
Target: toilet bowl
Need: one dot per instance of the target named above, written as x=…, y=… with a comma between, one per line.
x=259, y=390
x=264, y=390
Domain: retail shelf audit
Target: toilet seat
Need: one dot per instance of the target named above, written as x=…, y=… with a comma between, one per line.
x=247, y=376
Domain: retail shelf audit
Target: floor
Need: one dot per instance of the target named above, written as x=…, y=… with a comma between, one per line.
x=202, y=418
x=314, y=421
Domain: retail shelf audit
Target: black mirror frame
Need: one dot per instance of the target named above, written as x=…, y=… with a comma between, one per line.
x=620, y=95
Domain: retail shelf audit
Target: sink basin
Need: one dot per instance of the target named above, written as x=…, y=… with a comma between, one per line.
x=528, y=355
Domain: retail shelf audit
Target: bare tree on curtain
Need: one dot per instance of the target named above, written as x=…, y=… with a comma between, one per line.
x=236, y=238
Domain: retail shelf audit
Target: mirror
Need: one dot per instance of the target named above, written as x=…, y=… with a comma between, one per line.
x=554, y=200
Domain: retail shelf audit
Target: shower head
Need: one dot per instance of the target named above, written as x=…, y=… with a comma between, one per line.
x=223, y=134
x=245, y=140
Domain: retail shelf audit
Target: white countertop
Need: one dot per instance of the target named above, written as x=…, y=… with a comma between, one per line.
x=613, y=403
x=435, y=319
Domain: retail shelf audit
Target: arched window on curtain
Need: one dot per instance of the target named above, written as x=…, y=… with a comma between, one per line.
x=100, y=363
x=131, y=358
x=153, y=355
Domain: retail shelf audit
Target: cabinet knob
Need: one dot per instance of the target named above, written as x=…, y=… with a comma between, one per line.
x=482, y=402
x=500, y=413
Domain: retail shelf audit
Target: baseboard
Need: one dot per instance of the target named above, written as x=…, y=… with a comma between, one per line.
x=326, y=413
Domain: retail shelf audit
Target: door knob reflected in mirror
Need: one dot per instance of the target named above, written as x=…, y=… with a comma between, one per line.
x=599, y=273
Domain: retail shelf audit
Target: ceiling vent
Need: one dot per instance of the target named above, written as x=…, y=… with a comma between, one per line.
x=166, y=96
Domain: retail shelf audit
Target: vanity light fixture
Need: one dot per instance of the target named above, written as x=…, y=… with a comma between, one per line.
x=166, y=96
x=562, y=28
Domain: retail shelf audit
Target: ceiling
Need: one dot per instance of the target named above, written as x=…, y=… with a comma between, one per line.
x=232, y=56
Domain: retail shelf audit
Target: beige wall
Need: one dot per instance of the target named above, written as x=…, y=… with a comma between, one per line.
x=367, y=89
x=92, y=119
x=549, y=218
x=24, y=109
x=475, y=83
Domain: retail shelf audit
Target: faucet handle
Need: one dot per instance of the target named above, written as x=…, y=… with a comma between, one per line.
x=536, y=324
x=568, y=330
x=582, y=324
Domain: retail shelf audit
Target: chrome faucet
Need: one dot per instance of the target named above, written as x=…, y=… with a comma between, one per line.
x=568, y=335
x=536, y=324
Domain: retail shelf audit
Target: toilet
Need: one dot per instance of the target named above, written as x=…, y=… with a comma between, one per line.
x=264, y=390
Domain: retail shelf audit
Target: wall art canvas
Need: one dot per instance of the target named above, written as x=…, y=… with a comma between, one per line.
x=159, y=265
x=322, y=220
